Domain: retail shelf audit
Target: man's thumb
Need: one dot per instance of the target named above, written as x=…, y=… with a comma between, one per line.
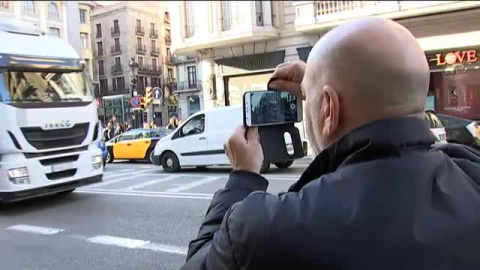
x=252, y=135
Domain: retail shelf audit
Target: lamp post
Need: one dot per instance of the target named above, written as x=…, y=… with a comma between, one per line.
x=133, y=76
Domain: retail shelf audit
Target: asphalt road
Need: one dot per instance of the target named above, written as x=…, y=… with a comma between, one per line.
x=138, y=218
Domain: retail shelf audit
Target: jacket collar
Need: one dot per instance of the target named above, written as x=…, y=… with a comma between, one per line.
x=378, y=139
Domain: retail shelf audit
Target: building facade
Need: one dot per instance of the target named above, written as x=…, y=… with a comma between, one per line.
x=57, y=18
x=188, y=86
x=240, y=43
x=122, y=32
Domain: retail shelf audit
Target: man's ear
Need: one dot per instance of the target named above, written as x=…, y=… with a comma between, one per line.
x=331, y=110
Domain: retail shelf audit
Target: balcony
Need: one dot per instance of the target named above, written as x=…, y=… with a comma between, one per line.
x=169, y=60
x=115, y=31
x=170, y=81
x=182, y=87
x=117, y=70
x=153, y=33
x=149, y=70
x=139, y=30
x=155, y=51
x=115, y=50
x=314, y=16
x=168, y=40
x=141, y=49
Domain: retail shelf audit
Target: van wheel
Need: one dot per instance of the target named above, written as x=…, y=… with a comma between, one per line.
x=284, y=164
x=265, y=167
x=170, y=162
x=109, y=157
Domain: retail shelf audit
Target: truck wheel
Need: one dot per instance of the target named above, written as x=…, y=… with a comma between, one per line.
x=109, y=157
x=265, y=167
x=284, y=164
x=170, y=162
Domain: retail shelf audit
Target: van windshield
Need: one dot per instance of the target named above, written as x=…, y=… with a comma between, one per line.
x=30, y=86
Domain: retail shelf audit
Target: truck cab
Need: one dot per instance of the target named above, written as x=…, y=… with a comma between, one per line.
x=50, y=129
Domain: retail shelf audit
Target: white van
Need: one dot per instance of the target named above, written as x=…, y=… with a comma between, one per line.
x=199, y=141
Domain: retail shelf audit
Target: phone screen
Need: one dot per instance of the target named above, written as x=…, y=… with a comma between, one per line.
x=272, y=107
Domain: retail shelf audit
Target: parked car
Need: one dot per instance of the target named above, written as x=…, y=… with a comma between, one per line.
x=135, y=144
x=103, y=147
x=436, y=126
x=199, y=141
x=460, y=130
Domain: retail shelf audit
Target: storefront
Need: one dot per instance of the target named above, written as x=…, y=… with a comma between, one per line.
x=455, y=82
x=247, y=73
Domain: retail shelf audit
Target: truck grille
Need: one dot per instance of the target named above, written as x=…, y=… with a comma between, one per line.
x=62, y=174
x=46, y=139
x=51, y=161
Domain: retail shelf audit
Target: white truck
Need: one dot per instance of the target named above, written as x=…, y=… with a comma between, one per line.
x=49, y=126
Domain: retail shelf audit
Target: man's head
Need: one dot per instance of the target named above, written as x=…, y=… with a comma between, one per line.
x=362, y=71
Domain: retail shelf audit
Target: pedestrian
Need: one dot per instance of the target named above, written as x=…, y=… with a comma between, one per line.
x=172, y=123
x=377, y=195
x=118, y=129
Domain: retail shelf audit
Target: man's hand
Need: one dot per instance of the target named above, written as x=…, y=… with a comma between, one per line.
x=244, y=150
x=288, y=76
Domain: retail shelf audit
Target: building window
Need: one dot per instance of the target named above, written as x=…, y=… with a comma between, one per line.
x=114, y=83
x=192, y=76
x=99, y=30
x=53, y=31
x=189, y=19
x=83, y=16
x=154, y=82
x=139, y=43
x=141, y=84
x=4, y=4
x=120, y=84
x=103, y=86
x=154, y=64
x=99, y=48
x=226, y=15
x=84, y=40
x=153, y=44
x=118, y=62
x=170, y=73
x=29, y=7
x=152, y=27
x=101, y=69
x=169, y=54
x=259, y=13
x=140, y=61
x=53, y=10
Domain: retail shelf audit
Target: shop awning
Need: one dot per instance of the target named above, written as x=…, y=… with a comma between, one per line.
x=467, y=39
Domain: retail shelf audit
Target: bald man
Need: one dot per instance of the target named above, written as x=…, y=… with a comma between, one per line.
x=377, y=196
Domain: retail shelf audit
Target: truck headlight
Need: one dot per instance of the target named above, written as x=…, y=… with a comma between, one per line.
x=19, y=175
x=97, y=161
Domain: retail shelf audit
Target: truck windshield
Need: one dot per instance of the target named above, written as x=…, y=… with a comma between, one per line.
x=27, y=86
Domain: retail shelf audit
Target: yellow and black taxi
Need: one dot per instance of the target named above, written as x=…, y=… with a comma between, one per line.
x=135, y=144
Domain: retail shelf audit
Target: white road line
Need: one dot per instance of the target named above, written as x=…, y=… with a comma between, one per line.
x=104, y=183
x=132, y=173
x=149, y=183
x=150, y=192
x=34, y=229
x=117, y=241
x=165, y=248
x=135, y=244
x=142, y=194
x=193, y=184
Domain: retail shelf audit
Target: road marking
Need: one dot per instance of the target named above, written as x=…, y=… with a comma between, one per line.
x=34, y=229
x=193, y=184
x=133, y=172
x=147, y=194
x=149, y=183
x=117, y=241
x=165, y=248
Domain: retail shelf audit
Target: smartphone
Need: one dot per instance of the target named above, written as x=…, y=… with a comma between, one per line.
x=265, y=108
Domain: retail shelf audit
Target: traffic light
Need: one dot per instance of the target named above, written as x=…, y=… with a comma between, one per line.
x=148, y=95
x=142, y=103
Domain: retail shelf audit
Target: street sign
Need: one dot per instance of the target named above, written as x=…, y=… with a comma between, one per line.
x=135, y=102
x=157, y=93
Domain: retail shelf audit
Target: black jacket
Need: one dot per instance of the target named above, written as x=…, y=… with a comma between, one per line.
x=379, y=198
